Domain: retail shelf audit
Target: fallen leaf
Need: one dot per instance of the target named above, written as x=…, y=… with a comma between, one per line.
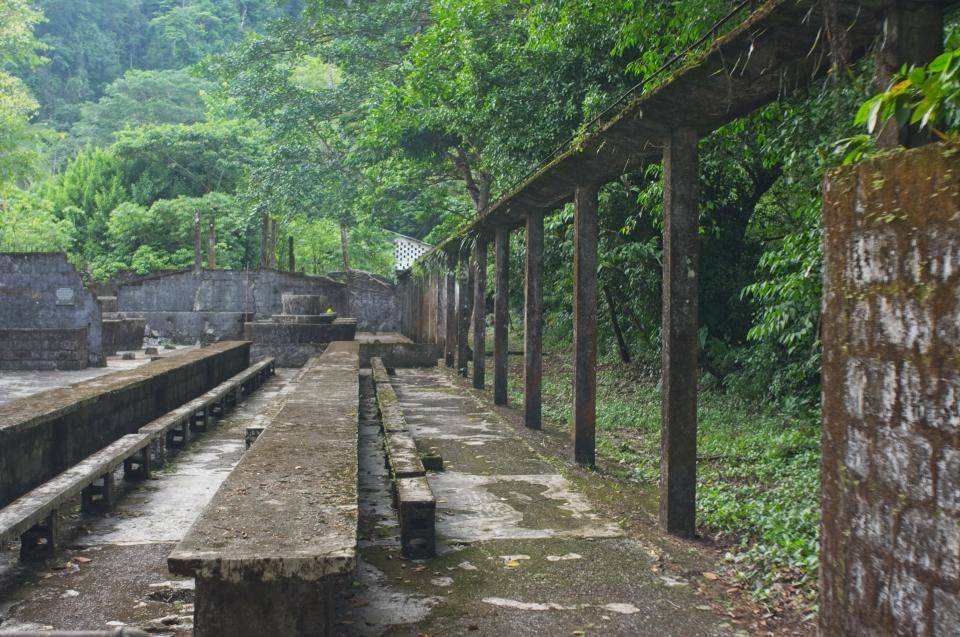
x=81, y=559
x=512, y=564
x=472, y=627
x=711, y=576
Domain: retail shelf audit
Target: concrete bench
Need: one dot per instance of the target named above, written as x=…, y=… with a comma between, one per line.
x=283, y=525
x=173, y=429
x=412, y=495
x=34, y=518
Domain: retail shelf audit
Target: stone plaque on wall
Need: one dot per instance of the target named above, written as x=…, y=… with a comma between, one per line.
x=65, y=296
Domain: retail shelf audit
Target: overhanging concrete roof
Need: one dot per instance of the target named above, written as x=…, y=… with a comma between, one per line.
x=779, y=48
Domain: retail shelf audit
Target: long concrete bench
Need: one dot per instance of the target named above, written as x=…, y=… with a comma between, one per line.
x=415, y=502
x=34, y=517
x=267, y=549
x=173, y=429
x=45, y=434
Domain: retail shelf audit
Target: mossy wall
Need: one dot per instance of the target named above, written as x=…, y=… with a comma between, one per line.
x=890, y=546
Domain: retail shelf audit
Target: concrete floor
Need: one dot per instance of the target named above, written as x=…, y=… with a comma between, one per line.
x=17, y=384
x=522, y=552
x=113, y=570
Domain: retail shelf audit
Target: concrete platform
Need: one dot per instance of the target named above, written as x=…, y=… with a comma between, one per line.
x=522, y=551
x=17, y=384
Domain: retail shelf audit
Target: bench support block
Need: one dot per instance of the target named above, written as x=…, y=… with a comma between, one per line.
x=418, y=511
x=98, y=497
x=41, y=541
x=137, y=467
x=253, y=609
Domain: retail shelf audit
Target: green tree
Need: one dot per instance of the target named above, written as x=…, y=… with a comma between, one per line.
x=140, y=98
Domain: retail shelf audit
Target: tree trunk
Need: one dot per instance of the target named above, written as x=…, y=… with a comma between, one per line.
x=293, y=262
x=212, y=243
x=197, y=242
x=621, y=342
x=265, y=241
x=345, y=245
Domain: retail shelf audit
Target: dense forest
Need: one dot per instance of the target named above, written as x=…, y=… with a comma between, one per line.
x=344, y=121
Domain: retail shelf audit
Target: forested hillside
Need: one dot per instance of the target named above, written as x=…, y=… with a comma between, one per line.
x=121, y=119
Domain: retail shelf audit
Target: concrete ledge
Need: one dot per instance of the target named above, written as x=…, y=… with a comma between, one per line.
x=44, y=434
x=394, y=354
x=402, y=455
x=285, y=520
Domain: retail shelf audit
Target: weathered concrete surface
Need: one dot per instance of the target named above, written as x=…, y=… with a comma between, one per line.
x=522, y=550
x=289, y=509
x=292, y=344
x=43, y=291
x=44, y=434
x=126, y=579
x=890, y=558
x=17, y=384
x=397, y=350
x=122, y=334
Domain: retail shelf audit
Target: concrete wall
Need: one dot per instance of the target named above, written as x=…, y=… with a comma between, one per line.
x=43, y=291
x=28, y=349
x=890, y=557
x=292, y=344
x=372, y=300
x=422, y=303
x=46, y=433
x=122, y=334
x=187, y=306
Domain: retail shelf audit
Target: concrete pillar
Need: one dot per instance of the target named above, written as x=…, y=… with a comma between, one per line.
x=912, y=35
x=450, y=341
x=463, y=312
x=585, y=325
x=212, y=244
x=678, y=444
x=533, y=322
x=197, y=242
x=479, y=312
x=500, y=309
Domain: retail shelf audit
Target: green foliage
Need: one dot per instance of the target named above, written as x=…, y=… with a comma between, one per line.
x=20, y=141
x=924, y=96
x=91, y=43
x=141, y=98
x=30, y=225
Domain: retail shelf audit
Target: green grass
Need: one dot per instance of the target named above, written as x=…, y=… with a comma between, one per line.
x=758, y=483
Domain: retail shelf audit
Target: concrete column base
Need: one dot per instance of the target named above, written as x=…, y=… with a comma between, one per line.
x=292, y=608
